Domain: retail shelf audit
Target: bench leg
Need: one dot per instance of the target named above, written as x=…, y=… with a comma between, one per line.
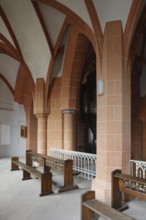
x=46, y=169
x=68, y=177
x=29, y=158
x=86, y=213
x=46, y=184
x=26, y=175
x=117, y=196
x=13, y=165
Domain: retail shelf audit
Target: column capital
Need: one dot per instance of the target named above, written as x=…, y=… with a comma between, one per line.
x=41, y=115
x=69, y=111
x=40, y=98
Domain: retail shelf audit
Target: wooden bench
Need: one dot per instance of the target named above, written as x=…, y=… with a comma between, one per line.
x=48, y=162
x=91, y=209
x=45, y=178
x=123, y=184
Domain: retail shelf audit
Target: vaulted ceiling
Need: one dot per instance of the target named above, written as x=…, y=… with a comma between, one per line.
x=35, y=32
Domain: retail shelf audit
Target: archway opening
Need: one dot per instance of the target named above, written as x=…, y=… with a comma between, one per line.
x=138, y=91
x=87, y=116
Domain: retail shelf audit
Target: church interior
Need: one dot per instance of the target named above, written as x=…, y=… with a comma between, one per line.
x=73, y=84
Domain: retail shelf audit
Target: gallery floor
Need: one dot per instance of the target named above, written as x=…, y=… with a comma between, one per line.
x=20, y=200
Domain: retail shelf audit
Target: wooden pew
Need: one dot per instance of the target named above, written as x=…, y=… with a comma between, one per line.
x=92, y=209
x=45, y=178
x=123, y=184
x=48, y=162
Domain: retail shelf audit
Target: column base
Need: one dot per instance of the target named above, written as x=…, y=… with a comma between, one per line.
x=102, y=191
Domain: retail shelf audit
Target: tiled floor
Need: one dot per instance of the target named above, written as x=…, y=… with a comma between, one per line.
x=19, y=200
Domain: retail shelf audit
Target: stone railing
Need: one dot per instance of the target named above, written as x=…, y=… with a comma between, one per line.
x=83, y=163
x=138, y=168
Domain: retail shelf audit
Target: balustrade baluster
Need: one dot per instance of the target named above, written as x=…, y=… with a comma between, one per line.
x=82, y=162
x=88, y=167
x=140, y=168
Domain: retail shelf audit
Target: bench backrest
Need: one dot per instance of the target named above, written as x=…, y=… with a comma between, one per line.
x=92, y=207
x=127, y=184
x=48, y=162
x=52, y=162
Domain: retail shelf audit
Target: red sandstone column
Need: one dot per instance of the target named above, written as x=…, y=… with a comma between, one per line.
x=42, y=134
x=41, y=111
x=113, y=113
x=69, y=129
x=31, y=141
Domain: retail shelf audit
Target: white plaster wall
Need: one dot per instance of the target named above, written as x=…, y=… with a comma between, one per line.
x=11, y=144
x=57, y=69
x=51, y=14
x=29, y=33
x=112, y=10
x=4, y=31
x=9, y=68
x=79, y=8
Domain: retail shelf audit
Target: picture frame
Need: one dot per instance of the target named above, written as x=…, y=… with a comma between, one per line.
x=23, y=131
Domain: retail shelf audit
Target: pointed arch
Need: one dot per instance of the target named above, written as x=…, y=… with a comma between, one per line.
x=11, y=33
x=131, y=25
x=7, y=83
x=74, y=62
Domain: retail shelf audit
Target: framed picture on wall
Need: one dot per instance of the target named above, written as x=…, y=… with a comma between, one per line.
x=23, y=131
